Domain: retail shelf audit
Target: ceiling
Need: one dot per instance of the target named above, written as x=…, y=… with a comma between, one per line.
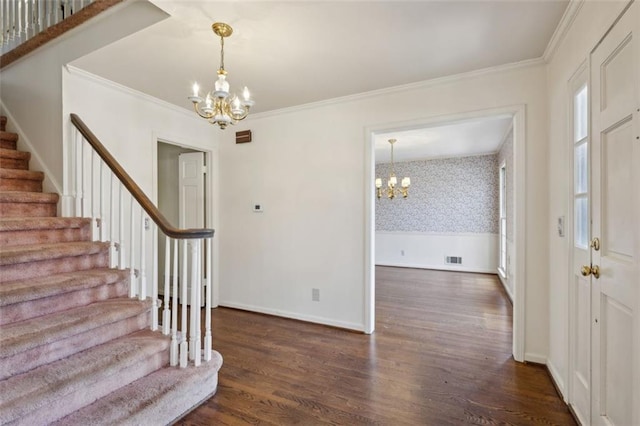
x=461, y=138
x=291, y=53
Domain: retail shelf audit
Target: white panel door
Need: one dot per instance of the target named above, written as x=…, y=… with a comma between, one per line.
x=191, y=190
x=191, y=197
x=615, y=160
x=580, y=285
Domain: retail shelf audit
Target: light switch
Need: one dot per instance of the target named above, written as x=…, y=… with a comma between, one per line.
x=561, y=226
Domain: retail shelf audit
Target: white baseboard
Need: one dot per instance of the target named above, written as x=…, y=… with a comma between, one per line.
x=537, y=358
x=558, y=380
x=438, y=267
x=292, y=315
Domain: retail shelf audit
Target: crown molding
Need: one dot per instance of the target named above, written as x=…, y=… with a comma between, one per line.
x=529, y=63
x=562, y=29
x=73, y=70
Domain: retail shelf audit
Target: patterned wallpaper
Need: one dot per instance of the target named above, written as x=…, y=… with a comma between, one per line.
x=446, y=195
x=506, y=155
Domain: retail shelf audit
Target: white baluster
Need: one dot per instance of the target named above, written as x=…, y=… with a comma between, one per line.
x=173, y=357
x=132, y=271
x=30, y=24
x=184, y=346
x=77, y=187
x=142, y=294
x=166, y=311
x=12, y=21
x=207, y=317
x=3, y=23
x=121, y=263
x=154, y=281
x=57, y=4
x=112, y=236
x=92, y=188
x=22, y=21
x=196, y=288
x=193, y=299
x=102, y=224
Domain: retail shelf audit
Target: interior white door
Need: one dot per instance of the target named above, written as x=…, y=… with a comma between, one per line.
x=580, y=285
x=191, y=197
x=191, y=190
x=615, y=159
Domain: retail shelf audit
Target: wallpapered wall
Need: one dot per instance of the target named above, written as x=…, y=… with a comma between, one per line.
x=446, y=195
x=505, y=155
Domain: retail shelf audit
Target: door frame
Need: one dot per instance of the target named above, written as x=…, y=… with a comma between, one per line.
x=212, y=196
x=519, y=217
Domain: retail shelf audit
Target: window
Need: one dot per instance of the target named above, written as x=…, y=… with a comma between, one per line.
x=580, y=167
x=502, y=266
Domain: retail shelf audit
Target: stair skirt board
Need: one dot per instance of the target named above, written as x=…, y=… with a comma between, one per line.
x=74, y=348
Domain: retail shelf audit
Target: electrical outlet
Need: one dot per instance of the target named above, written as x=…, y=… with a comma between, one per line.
x=315, y=294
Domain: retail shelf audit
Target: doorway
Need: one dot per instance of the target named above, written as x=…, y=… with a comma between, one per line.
x=517, y=117
x=184, y=193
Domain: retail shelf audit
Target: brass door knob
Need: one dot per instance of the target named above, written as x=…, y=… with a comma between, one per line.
x=587, y=270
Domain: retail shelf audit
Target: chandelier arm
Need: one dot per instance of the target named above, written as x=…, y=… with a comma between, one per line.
x=200, y=113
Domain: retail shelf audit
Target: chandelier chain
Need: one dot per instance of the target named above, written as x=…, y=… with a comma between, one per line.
x=222, y=53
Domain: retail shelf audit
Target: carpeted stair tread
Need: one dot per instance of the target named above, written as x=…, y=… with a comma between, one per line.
x=8, y=140
x=21, y=174
x=28, y=197
x=45, y=388
x=40, y=252
x=14, y=154
x=35, y=223
x=163, y=394
x=8, y=136
x=24, y=335
x=21, y=291
x=20, y=180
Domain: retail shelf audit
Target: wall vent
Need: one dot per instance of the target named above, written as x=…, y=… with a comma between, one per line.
x=454, y=260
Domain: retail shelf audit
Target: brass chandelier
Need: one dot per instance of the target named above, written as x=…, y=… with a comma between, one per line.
x=217, y=107
x=392, y=191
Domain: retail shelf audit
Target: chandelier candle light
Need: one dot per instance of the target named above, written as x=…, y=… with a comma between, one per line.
x=218, y=108
x=391, y=190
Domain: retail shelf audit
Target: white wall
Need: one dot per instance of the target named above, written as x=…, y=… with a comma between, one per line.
x=32, y=86
x=592, y=21
x=307, y=167
x=428, y=250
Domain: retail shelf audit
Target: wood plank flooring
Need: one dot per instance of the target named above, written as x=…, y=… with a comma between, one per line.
x=440, y=355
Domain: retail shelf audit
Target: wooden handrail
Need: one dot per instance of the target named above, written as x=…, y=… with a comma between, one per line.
x=135, y=190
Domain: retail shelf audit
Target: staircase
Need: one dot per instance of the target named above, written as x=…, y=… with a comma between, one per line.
x=74, y=348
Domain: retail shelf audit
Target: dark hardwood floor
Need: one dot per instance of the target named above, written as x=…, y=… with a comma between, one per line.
x=440, y=355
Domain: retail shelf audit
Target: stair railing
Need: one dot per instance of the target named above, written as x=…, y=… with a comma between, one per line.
x=128, y=220
x=23, y=19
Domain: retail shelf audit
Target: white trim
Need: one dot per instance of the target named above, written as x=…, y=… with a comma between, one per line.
x=127, y=90
x=401, y=88
x=293, y=315
x=519, y=145
x=562, y=29
x=505, y=286
x=557, y=378
x=439, y=267
x=212, y=158
x=445, y=157
x=49, y=184
x=437, y=234
x=537, y=358
x=519, y=232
